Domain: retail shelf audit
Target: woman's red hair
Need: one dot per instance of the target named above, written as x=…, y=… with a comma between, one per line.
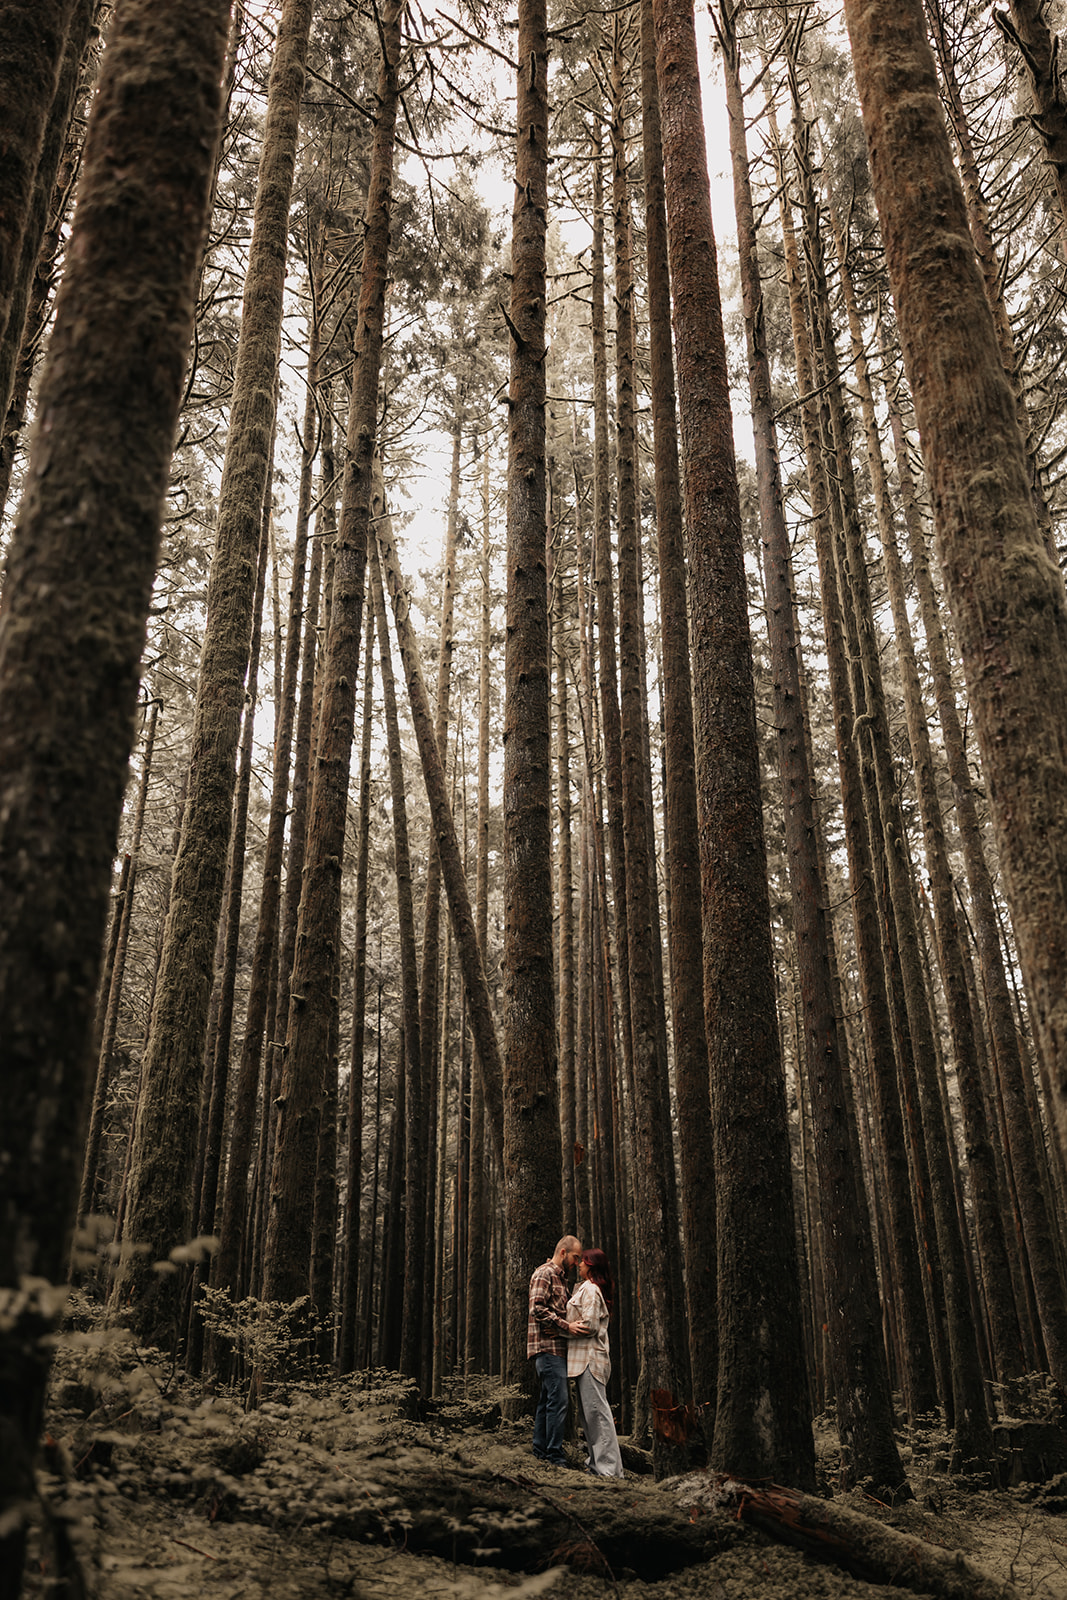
x=600, y=1274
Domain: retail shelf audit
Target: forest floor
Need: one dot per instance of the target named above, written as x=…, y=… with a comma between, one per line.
x=349, y=1488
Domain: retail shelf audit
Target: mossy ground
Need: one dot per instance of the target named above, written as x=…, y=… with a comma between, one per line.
x=153, y=1488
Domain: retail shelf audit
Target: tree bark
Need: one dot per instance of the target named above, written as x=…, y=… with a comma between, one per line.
x=761, y=1355
x=532, y=1159
x=79, y=573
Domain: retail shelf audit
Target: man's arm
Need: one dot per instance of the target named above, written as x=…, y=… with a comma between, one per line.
x=543, y=1308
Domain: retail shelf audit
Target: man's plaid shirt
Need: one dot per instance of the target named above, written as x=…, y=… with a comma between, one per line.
x=546, y=1321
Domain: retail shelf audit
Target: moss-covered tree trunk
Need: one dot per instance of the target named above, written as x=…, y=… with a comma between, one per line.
x=159, y=1206
x=761, y=1356
x=80, y=568
x=1007, y=597
x=316, y=964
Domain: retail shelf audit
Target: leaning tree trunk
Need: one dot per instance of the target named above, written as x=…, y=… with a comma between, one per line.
x=316, y=963
x=159, y=1204
x=468, y=949
x=1007, y=597
x=80, y=569
x=532, y=1155
x=113, y=982
x=761, y=1354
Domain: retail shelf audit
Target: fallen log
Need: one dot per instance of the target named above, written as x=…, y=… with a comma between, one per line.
x=863, y=1546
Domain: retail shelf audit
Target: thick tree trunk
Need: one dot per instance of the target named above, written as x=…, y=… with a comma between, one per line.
x=79, y=574
x=316, y=964
x=159, y=1207
x=1007, y=597
x=761, y=1355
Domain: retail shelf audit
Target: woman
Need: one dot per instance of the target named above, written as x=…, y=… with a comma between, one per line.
x=589, y=1361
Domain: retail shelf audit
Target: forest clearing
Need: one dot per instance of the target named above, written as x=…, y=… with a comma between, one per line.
x=500, y=888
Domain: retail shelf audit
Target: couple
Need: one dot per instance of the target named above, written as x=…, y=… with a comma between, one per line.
x=569, y=1338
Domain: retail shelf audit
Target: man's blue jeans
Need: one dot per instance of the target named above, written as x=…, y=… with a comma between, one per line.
x=551, y=1416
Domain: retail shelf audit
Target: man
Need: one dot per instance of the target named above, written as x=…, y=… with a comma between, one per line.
x=546, y=1332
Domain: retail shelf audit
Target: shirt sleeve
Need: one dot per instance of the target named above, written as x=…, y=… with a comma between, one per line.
x=542, y=1307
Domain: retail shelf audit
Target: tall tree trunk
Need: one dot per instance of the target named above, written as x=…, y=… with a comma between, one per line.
x=80, y=568
x=861, y=1377
x=657, y=1224
x=109, y=1030
x=761, y=1353
x=316, y=963
x=443, y=823
x=980, y=1159
x=159, y=1207
x=908, y=1278
x=1009, y=1067
x=347, y=1353
x=532, y=1156
x=1007, y=597
x=233, y=1227
x=33, y=40
x=680, y=795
